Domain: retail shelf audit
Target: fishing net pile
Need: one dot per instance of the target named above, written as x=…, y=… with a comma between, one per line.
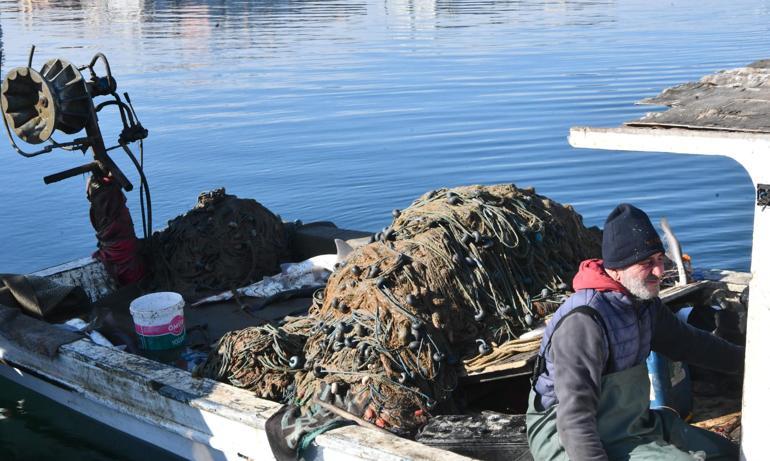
x=224, y=242
x=456, y=274
x=260, y=359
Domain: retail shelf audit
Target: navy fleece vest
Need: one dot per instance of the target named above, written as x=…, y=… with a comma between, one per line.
x=629, y=326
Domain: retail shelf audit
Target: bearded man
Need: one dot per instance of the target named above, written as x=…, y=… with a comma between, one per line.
x=591, y=391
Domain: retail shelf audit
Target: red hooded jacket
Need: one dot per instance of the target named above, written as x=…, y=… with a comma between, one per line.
x=591, y=274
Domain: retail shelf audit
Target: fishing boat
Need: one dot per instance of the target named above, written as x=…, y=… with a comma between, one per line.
x=198, y=418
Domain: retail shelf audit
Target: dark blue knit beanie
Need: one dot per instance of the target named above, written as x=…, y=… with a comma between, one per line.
x=628, y=237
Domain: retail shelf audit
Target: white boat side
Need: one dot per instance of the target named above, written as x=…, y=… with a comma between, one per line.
x=195, y=418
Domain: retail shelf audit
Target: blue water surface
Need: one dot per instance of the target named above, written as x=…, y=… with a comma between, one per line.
x=343, y=110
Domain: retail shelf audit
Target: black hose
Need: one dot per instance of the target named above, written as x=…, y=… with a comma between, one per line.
x=146, y=225
x=124, y=110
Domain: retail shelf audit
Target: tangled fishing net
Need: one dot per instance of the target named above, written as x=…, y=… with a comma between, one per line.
x=457, y=274
x=223, y=243
x=261, y=359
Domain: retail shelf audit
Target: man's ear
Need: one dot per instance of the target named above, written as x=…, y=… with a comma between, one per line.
x=613, y=273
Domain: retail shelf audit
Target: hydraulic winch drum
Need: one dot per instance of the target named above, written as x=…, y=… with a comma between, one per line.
x=35, y=104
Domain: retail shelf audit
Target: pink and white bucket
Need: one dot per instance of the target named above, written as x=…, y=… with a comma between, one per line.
x=159, y=320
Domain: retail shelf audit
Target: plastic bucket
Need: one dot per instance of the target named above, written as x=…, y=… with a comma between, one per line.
x=159, y=320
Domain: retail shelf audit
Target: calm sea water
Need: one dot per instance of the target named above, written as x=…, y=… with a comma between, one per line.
x=343, y=110
x=34, y=429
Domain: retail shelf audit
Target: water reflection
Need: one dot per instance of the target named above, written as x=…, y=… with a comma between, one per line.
x=297, y=103
x=215, y=12
x=203, y=16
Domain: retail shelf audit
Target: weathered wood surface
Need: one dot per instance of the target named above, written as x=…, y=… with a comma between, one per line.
x=511, y=355
x=728, y=425
x=87, y=273
x=732, y=100
x=193, y=418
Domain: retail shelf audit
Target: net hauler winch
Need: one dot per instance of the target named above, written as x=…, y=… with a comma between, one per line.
x=58, y=98
x=36, y=104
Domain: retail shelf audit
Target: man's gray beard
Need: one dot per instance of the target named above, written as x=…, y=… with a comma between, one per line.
x=638, y=288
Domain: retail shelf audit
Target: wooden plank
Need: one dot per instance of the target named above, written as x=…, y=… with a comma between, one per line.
x=87, y=273
x=518, y=365
x=508, y=359
x=671, y=294
x=730, y=419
